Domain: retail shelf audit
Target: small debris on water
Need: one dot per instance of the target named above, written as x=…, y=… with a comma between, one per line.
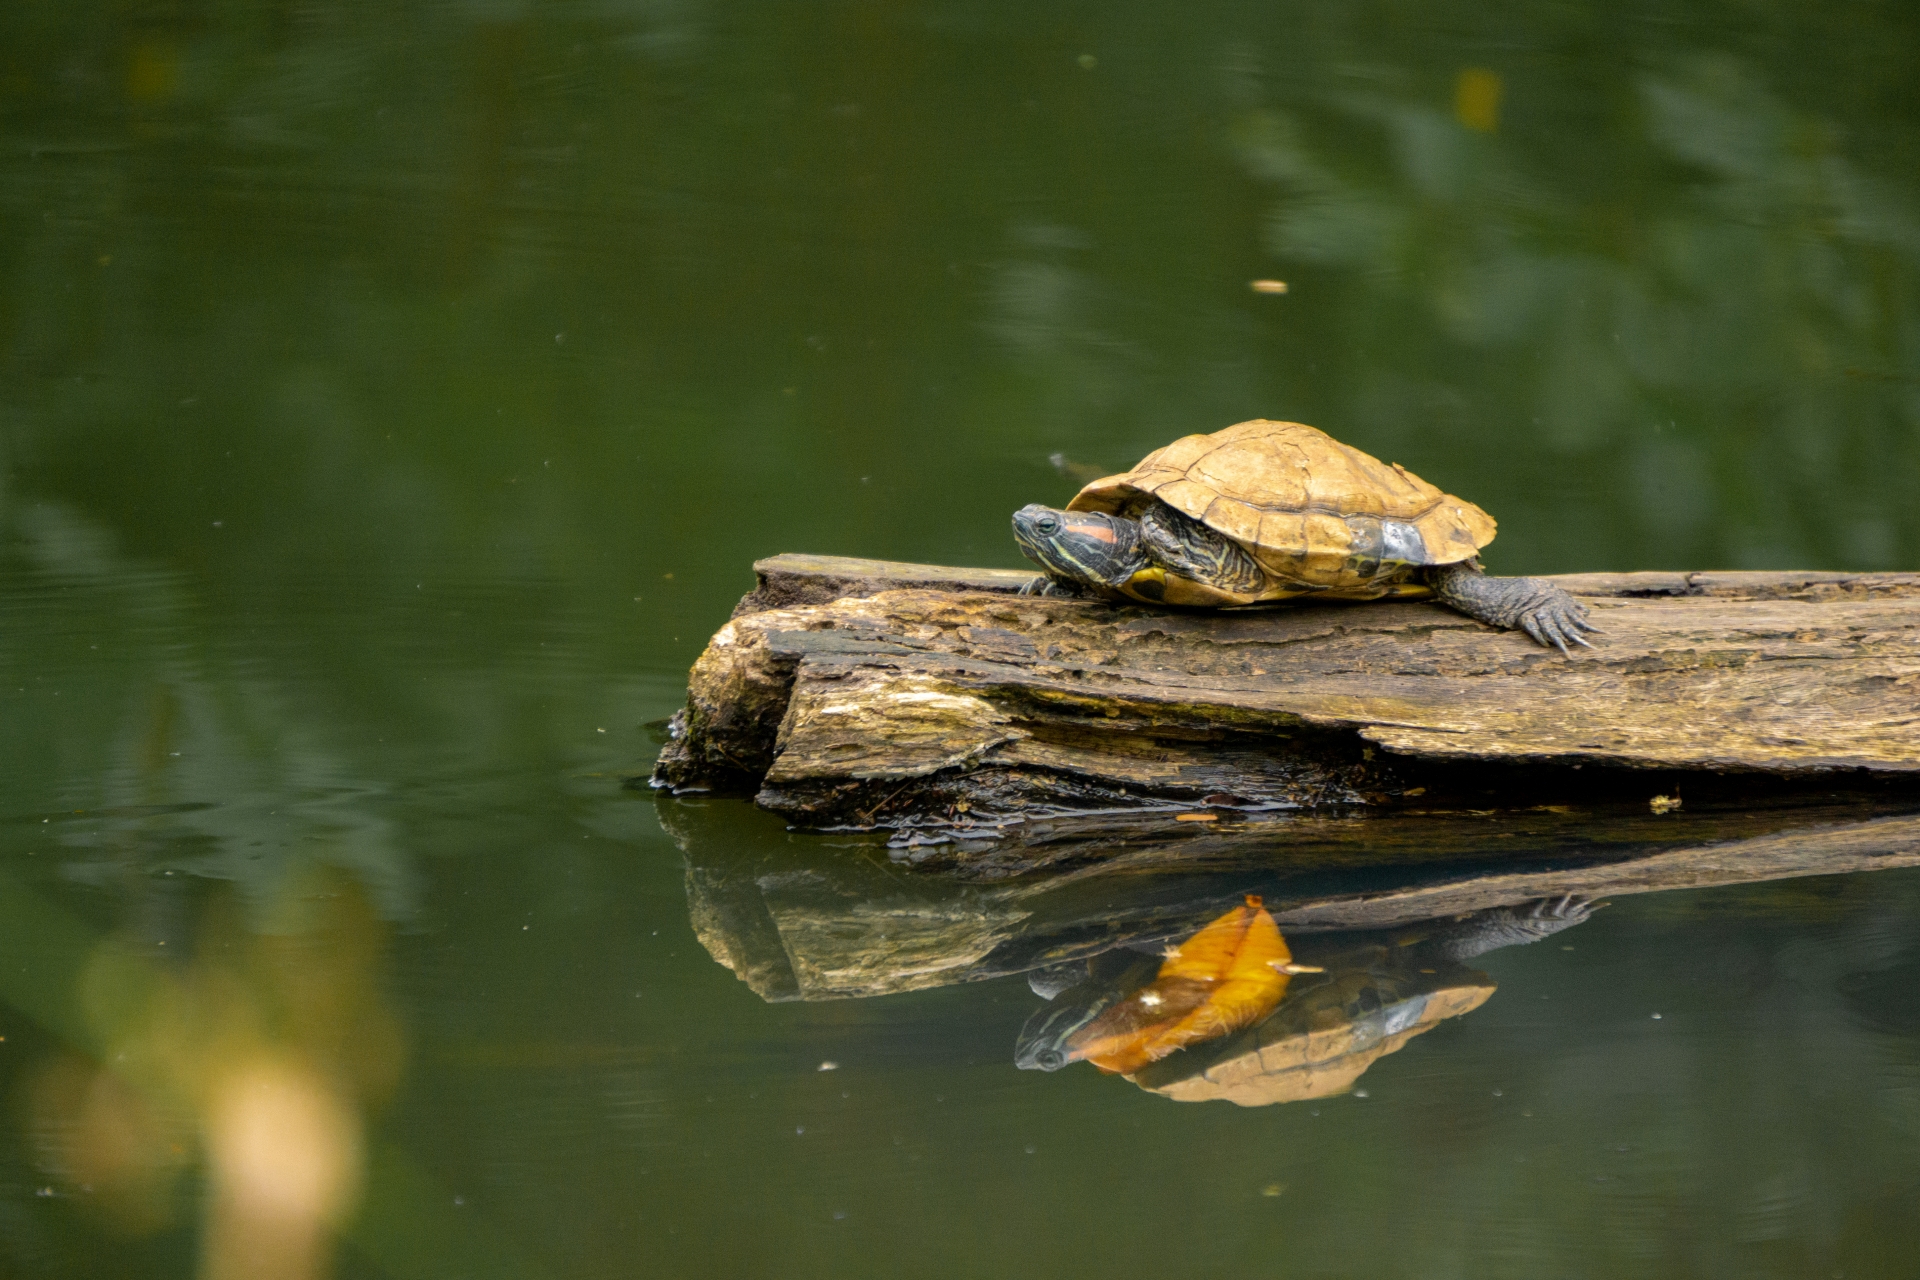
x=1664, y=804
x=828, y=1065
x=1031, y=1150
x=1196, y=817
x=1267, y=286
x=1656, y=1017
x=1360, y=1093
x=1273, y=1188
x=1087, y=61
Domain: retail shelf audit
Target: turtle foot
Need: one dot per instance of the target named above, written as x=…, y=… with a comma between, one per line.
x=1516, y=925
x=1540, y=608
x=1045, y=585
x=1556, y=620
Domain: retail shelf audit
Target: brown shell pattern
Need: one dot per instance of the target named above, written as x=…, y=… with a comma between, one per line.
x=1306, y=506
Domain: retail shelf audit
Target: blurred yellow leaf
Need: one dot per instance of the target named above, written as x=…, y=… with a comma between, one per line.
x=1476, y=99
x=153, y=72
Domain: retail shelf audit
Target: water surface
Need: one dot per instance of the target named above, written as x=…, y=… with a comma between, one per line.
x=391, y=405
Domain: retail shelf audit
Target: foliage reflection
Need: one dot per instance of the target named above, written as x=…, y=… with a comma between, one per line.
x=257, y=1059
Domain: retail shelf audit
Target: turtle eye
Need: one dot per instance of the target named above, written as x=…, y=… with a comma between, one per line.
x=1047, y=525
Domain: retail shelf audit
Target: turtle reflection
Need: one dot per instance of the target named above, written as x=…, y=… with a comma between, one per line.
x=1376, y=991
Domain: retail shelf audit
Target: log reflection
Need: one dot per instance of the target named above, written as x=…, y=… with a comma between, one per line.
x=1392, y=908
x=811, y=921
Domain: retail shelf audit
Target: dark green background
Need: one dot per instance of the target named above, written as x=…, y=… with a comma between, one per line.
x=392, y=398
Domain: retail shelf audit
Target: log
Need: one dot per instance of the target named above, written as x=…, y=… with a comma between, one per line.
x=781, y=582
x=940, y=705
x=818, y=922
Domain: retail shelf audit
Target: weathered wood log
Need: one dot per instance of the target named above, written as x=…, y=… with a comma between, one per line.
x=954, y=708
x=825, y=923
x=782, y=582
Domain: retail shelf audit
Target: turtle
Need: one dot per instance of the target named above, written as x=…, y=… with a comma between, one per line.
x=1264, y=511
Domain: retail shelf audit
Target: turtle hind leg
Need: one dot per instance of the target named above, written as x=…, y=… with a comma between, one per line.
x=1191, y=550
x=1533, y=605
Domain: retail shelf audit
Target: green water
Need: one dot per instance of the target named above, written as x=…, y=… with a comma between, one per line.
x=392, y=399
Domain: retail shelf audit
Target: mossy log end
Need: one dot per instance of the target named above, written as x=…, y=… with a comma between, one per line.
x=860, y=694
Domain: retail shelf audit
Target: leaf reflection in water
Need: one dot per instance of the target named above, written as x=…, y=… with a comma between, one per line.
x=1368, y=995
x=1227, y=976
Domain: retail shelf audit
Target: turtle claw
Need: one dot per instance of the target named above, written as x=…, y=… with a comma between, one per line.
x=1556, y=618
x=1050, y=587
x=1570, y=907
x=1544, y=622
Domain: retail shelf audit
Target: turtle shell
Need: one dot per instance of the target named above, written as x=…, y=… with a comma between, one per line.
x=1311, y=510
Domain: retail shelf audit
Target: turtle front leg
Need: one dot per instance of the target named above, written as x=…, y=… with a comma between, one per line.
x=1514, y=925
x=1045, y=584
x=1533, y=605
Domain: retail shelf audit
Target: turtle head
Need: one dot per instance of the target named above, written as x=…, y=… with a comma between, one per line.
x=1087, y=547
x=1042, y=1045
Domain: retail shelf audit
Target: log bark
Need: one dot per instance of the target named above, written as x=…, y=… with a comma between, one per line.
x=940, y=705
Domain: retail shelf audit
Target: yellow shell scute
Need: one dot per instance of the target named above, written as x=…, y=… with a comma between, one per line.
x=1241, y=522
x=1192, y=496
x=1284, y=490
